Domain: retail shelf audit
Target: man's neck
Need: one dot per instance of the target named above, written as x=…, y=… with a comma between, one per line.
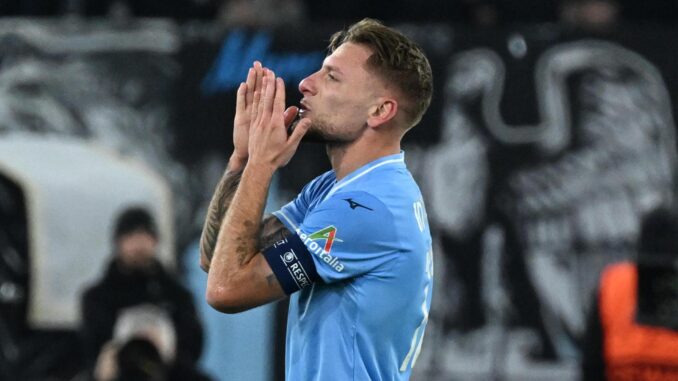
x=346, y=158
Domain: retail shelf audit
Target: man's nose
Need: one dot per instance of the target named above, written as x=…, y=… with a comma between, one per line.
x=307, y=85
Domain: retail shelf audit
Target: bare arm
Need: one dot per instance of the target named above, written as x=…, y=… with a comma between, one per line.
x=239, y=277
x=216, y=211
x=272, y=230
x=249, y=93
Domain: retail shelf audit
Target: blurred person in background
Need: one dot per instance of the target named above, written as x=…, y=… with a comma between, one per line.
x=633, y=329
x=136, y=277
x=480, y=13
x=262, y=13
x=590, y=15
x=143, y=348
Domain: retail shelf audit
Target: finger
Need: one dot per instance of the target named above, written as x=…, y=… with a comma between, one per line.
x=262, y=102
x=263, y=72
x=290, y=114
x=240, y=100
x=259, y=74
x=255, y=105
x=258, y=94
x=251, y=82
x=269, y=95
x=279, y=101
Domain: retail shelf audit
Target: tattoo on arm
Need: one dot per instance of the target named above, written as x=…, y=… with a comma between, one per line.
x=272, y=231
x=244, y=245
x=217, y=210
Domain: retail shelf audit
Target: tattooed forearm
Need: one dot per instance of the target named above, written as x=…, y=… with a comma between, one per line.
x=245, y=244
x=217, y=210
x=272, y=231
x=237, y=275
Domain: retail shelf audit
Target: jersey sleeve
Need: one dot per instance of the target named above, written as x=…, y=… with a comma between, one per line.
x=292, y=214
x=348, y=235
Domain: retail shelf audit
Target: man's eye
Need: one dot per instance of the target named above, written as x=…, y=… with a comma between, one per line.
x=332, y=77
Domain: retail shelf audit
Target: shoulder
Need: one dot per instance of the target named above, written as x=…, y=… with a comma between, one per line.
x=92, y=292
x=103, y=285
x=96, y=298
x=320, y=183
x=354, y=213
x=356, y=203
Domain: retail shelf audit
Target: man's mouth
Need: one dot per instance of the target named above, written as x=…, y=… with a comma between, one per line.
x=303, y=108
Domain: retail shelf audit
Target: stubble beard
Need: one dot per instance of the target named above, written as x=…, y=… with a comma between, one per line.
x=332, y=135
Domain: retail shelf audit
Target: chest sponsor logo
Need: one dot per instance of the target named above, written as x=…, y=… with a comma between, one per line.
x=320, y=243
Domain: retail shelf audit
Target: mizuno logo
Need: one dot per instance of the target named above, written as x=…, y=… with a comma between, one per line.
x=354, y=204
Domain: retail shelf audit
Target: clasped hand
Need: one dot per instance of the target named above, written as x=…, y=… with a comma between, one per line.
x=261, y=122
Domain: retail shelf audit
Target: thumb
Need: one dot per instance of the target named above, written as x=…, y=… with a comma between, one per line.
x=289, y=115
x=294, y=139
x=299, y=131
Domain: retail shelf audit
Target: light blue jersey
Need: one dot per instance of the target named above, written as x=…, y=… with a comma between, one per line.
x=362, y=262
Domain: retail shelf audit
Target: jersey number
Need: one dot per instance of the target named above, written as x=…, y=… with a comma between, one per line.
x=418, y=337
x=420, y=215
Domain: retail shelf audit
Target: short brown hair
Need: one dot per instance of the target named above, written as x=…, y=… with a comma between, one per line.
x=395, y=58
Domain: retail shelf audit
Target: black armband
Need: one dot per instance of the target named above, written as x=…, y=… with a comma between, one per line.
x=292, y=264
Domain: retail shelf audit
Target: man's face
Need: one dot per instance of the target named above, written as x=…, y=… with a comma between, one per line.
x=338, y=97
x=137, y=249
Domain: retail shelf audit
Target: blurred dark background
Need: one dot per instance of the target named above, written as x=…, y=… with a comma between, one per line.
x=467, y=12
x=549, y=137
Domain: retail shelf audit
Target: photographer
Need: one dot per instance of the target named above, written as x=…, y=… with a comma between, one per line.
x=133, y=278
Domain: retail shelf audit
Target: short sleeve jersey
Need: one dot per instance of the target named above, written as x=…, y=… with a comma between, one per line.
x=360, y=275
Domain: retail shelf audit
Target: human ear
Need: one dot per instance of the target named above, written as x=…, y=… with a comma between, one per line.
x=382, y=112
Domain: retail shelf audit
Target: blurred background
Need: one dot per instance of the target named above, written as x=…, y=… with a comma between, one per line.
x=550, y=135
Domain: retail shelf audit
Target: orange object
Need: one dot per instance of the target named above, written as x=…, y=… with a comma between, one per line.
x=632, y=351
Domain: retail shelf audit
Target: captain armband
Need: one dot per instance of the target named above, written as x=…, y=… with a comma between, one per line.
x=292, y=264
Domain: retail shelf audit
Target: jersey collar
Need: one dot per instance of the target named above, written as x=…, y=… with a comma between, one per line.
x=397, y=160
